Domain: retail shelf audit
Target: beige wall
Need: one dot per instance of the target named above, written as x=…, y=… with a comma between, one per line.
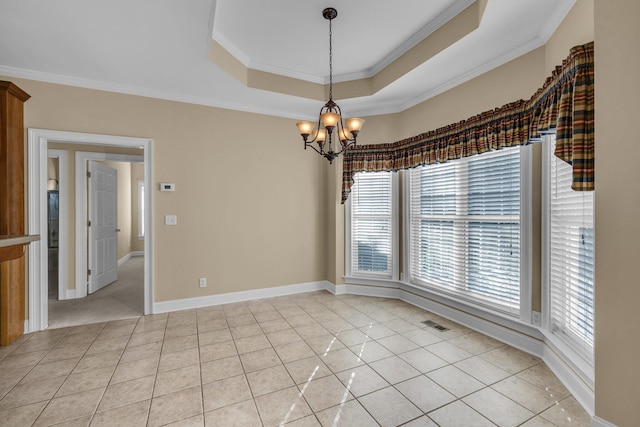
x=137, y=174
x=617, y=323
x=249, y=199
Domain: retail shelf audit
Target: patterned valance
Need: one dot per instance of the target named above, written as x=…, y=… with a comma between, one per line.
x=564, y=105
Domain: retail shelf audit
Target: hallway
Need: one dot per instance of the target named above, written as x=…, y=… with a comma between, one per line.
x=122, y=299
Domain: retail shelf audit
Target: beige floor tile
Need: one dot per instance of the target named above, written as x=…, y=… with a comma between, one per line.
x=424, y=421
x=245, y=331
x=347, y=414
x=421, y=337
x=311, y=331
x=377, y=331
x=235, y=309
x=34, y=345
x=324, y=343
x=84, y=381
x=567, y=413
x=175, y=407
x=269, y=380
x=482, y=370
x=475, y=343
x=149, y=326
x=217, y=351
x=225, y=392
x=44, y=371
x=308, y=421
x=214, y=337
x=249, y=344
x=370, y=351
x=146, y=338
x=126, y=393
x=425, y=394
x=541, y=376
x=510, y=359
x=176, y=380
x=538, y=422
x=282, y=407
x=358, y=320
x=342, y=359
x=243, y=319
x=28, y=360
x=196, y=421
x=304, y=370
x=285, y=336
x=180, y=331
x=379, y=402
x=458, y=414
x=126, y=416
x=394, y=370
x=108, y=359
x=179, y=344
x=78, y=422
x=67, y=408
x=179, y=359
x=243, y=414
x=449, y=352
x=294, y=351
x=78, y=338
x=221, y=368
x=260, y=359
x=267, y=315
x=351, y=337
x=31, y=393
x=143, y=351
x=62, y=352
x=324, y=392
x=362, y=380
x=108, y=333
x=398, y=344
x=291, y=312
x=113, y=344
x=274, y=325
x=212, y=325
x=400, y=325
x=423, y=360
x=526, y=394
x=498, y=408
x=136, y=369
x=455, y=381
x=337, y=327
x=22, y=415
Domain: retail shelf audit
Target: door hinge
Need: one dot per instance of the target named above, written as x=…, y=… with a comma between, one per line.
x=88, y=174
x=89, y=223
x=89, y=272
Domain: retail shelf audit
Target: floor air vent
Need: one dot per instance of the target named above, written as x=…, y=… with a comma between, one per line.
x=434, y=325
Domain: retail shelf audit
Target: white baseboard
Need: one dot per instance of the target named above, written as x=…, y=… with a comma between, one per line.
x=128, y=256
x=232, y=297
x=599, y=422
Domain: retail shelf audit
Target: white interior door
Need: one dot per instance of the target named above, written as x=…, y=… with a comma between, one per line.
x=103, y=214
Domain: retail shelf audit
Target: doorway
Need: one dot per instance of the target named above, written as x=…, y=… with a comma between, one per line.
x=38, y=140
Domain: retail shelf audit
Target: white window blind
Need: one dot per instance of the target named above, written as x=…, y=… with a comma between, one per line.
x=371, y=224
x=465, y=228
x=571, y=258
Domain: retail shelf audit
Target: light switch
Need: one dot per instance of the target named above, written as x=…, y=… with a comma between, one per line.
x=170, y=220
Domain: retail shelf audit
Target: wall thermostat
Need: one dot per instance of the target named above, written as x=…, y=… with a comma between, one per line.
x=167, y=186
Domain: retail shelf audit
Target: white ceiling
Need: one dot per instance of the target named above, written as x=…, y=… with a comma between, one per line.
x=160, y=48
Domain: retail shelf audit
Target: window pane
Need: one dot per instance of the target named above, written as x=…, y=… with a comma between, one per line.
x=435, y=251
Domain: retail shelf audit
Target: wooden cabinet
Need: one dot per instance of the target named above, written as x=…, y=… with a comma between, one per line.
x=12, y=264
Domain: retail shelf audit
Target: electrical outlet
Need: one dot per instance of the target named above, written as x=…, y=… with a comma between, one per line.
x=203, y=282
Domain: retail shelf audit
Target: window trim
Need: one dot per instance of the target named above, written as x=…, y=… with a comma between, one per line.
x=577, y=360
x=525, y=312
x=395, y=248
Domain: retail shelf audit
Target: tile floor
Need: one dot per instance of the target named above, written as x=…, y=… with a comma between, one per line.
x=305, y=360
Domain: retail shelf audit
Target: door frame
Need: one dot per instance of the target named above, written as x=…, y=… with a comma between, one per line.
x=38, y=140
x=82, y=205
x=61, y=155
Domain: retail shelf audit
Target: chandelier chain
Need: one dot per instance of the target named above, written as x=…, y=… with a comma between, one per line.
x=330, y=62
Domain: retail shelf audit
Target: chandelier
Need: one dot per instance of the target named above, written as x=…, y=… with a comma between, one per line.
x=330, y=118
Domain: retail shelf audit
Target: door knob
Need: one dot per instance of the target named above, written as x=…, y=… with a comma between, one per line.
x=118, y=230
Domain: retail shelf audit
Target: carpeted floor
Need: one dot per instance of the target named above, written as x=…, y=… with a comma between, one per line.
x=123, y=299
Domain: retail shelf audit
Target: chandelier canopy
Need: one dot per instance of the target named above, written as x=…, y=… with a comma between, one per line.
x=330, y=121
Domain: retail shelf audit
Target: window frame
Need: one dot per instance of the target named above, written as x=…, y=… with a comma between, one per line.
x=573, y=354
x=350, y=273
x=524, y=314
